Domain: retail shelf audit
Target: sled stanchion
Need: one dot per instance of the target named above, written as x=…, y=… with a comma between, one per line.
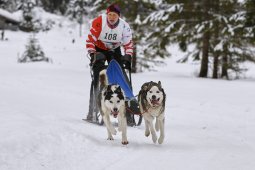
x=93, y=114
x=130, y=79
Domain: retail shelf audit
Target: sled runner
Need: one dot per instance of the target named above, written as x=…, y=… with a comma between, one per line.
x=122, y=77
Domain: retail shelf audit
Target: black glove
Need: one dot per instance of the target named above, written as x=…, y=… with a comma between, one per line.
x=126, y=61
x=97, y=57
x=92, y=58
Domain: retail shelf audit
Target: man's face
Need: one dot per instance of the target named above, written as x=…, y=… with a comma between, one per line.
x=112, y=17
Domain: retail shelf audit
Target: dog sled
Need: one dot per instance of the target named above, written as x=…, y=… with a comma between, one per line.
x=119, y=76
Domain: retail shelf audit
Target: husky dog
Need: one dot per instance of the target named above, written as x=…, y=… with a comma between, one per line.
x=152, y=100
x=111, y=101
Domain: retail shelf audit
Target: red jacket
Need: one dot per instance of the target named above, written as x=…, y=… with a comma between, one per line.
x=107, y=38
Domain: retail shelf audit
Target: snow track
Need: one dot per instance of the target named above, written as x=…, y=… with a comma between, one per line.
x=209, y=123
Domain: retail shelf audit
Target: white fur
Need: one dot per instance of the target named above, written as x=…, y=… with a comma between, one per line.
x=107, y=107
x=152, y=112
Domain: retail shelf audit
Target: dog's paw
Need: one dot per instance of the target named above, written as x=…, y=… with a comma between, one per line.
x=110, y=138
x=147, y=133
x=124, y=142
x=161, y=139
x=154, y=138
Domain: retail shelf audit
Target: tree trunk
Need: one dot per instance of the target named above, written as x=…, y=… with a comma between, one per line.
x=205, y=53
x=133, y=69
x=206, y=37
x=216, y=41
x=215, y=65
x=224, y=72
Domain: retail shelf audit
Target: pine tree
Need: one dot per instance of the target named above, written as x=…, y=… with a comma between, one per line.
x=232, y=40
x=158, y=28
x=55, y=6
x=33, y=52
x=215, y=27
x=77, y=9
x=28, y=23
x=250, y=16
x=4, y=4
x=250, y=20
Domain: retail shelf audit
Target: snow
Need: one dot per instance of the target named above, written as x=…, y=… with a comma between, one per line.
x=210, y=124
x=8, y=15
x=171, y=26
x=219, y=46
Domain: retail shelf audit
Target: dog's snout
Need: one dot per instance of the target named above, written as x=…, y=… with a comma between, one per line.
x=115, y=109
x=153, y=97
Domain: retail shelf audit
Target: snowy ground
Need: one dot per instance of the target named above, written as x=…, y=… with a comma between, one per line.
x=210, y=124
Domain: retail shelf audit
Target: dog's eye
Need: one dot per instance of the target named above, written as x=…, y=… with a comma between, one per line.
x=150, y=91
x=118, y=101
x=111, y=101
x=157, y=91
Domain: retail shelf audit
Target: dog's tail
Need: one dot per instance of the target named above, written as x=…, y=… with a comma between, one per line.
x=157, y=125
x=103, y=81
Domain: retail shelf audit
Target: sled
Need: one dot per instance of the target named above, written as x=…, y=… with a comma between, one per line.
x=123, y=78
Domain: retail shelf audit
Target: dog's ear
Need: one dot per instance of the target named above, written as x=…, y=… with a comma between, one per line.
x=109, y=88
x=118, y=90
x=159, y=83
x=145, y=87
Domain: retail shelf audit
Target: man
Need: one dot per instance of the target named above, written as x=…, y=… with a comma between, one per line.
x=107, y=34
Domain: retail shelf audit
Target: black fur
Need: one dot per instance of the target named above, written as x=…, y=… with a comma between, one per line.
x=108, y=93
x=119, y=93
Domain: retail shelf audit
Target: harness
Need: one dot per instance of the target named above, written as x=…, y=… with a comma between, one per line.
x=135, y=113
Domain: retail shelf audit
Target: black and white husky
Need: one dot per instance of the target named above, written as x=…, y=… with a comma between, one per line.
x=111, y=102
x=152, y=100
